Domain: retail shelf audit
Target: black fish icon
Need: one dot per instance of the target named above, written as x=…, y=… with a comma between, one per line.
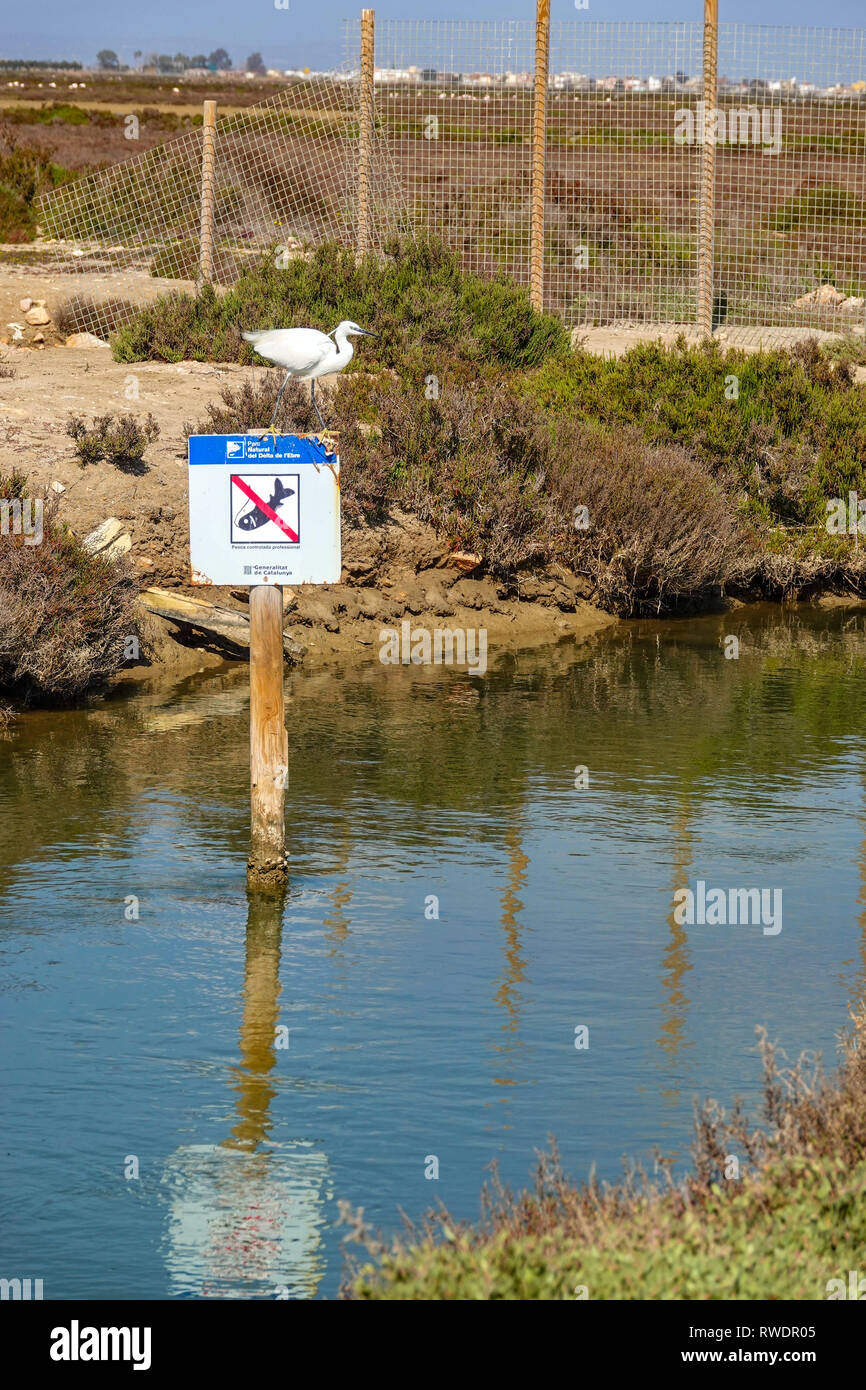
x=256, y=518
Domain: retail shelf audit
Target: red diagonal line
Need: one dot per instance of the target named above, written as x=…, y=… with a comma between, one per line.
x=268, y=511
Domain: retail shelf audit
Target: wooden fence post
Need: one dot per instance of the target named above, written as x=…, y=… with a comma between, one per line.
x=539, y=142
x=366, y=108
x=269, y=744
x=208, y=159
x=706, y=227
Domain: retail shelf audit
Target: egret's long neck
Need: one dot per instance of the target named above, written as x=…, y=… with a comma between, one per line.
x=345, y=349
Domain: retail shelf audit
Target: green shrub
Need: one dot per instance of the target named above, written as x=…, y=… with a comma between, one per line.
x=120, y=439
x=251, y=407
x=849, y=348
x=422, y=306
x=486, y=469
x=780, y=431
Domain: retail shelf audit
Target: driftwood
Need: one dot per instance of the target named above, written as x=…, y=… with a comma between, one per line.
x=223, y=628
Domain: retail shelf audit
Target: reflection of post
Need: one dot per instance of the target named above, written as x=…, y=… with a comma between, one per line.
x=247, y=1214
x=208, y=159
x=258, y=1028
x=515, y=965
x=512, y=906
x=269, y=748
x=677, y=963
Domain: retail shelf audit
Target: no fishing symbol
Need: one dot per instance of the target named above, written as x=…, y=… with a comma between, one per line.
x=261, y=502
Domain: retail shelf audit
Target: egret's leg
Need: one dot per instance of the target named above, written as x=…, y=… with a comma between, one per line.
x=271, y=429
x=313, y=401
x=279, y=398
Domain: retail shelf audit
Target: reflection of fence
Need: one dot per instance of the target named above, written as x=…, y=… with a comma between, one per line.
x=449, y=148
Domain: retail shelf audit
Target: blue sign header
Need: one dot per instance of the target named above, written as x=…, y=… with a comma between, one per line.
x=232, y=449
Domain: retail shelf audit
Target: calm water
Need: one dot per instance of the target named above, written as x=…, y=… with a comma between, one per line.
x=155, y=1039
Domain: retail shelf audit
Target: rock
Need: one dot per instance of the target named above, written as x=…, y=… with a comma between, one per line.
x=825, y=294
x=38, y=316
x=39, y=337
x=84, y=340
x=465, y=560
x=25, y=304
x=852, y=305
x=57, y=487
x=109, y=539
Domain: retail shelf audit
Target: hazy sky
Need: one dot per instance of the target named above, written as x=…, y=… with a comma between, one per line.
x=310, y=32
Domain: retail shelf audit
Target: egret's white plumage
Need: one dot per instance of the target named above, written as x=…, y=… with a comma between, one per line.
x=306, y=353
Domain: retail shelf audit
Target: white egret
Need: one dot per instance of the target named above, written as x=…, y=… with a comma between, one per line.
x=307, y=354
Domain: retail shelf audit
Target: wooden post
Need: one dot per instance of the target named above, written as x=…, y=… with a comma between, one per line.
x=208, y=158
x=706, y=229
x=365, y=145
x=539, y=142
x=269, y=744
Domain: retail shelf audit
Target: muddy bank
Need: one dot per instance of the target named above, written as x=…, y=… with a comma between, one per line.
x=393, y=574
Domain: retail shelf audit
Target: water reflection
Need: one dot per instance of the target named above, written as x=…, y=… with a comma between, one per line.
x=507, y=995
x=246, y=1215
x=676, y=960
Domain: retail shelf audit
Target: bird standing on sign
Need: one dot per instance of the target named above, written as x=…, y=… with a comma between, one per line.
x=307, y=354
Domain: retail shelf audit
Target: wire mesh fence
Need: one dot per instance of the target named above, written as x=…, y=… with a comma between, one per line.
x=285, y=176
x=449, y=151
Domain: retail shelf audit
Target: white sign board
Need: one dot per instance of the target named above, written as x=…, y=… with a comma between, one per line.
x=263, y=510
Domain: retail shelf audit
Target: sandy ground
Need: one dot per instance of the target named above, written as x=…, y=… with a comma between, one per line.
x=55, y=279
x=612, y=340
